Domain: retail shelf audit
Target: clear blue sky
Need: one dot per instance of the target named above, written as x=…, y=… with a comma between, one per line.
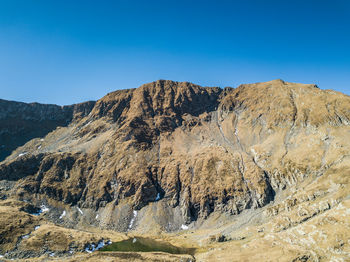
x=68, y=51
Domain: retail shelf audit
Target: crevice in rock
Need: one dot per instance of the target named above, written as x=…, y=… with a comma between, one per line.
x=270, y=192
x=155, y=183
x=178, y=185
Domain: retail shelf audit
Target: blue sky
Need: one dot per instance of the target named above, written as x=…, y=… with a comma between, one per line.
x=70, y=51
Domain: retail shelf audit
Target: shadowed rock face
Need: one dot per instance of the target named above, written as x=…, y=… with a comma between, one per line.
x=197, y=150
x=21, y=122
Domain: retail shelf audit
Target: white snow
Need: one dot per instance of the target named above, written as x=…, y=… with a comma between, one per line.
x=158, y=197
x=184, y=227
x=39, y=147
x=134, y=240
x=25, y=236
x=36, y=227
x=1, y=256
x=81, y=212
x=44, y=208
x=100, y=244
x=22, y=154
x=133, y=219
x=42, y=139
x=52, y=254
x=63, y=214
x=91, y=248
x=97, y=216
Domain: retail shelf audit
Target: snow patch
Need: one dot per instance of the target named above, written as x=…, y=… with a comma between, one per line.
x=63, y=214
x=42, y=139
x=158, y=197
x=25, y=236
x=36, y=227
x=81, y=212
x=39, y=147
x=100, y=244
x=52, y=254
x=92, y=247
x=184, y=227
x=134, y=240
x=133, y=219
x=43, y=209
x=22, y=154
x=97, y=216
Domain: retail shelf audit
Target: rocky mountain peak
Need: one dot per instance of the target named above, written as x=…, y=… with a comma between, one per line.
x=162, y=97
x=170, y=97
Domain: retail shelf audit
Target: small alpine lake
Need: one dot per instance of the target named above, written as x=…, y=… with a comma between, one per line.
x=140, y=244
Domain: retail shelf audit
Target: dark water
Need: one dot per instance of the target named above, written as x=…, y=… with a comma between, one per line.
x=140, y=244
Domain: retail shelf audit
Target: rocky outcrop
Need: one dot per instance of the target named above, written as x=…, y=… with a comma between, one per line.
x=195, y=149
x=21, y=122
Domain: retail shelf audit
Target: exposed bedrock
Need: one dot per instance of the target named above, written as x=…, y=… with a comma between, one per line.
x=21, y=122
x=179, y=149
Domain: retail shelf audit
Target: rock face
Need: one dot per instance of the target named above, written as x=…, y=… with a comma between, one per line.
x=20, y=122
x=174, y=146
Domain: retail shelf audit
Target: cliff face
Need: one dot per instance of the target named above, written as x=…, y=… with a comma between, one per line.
x=21, y=122
x=182, y=150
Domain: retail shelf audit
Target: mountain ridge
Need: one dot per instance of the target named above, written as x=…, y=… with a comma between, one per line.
x=29, y=120
x=169, y=154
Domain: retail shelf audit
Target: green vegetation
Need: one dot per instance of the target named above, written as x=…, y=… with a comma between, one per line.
x=146, y=245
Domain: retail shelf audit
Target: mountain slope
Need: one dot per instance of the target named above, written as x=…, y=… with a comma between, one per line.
x=21, y=122
x=170, y=154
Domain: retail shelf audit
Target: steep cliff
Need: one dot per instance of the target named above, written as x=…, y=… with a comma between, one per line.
x=21, y=122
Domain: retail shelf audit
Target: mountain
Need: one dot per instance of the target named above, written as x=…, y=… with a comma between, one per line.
x=21, y=122
x=255, y=166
